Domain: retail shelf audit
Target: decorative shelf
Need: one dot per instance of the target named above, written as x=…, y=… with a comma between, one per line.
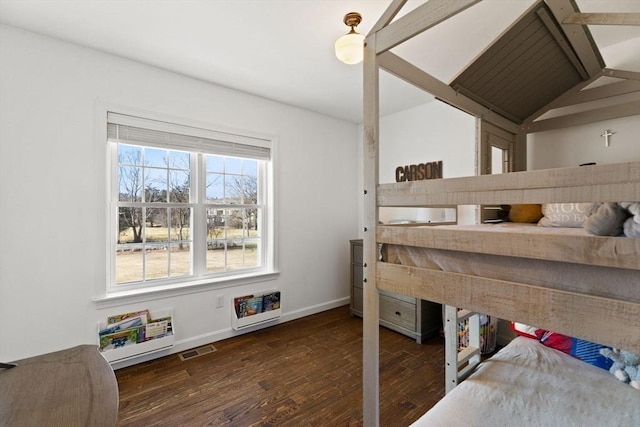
x=131, y=350
x=262, y=316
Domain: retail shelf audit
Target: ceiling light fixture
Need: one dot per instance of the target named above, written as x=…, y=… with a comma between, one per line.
x=349, y=48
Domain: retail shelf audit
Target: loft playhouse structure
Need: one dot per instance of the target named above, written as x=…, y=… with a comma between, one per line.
x=543, y=62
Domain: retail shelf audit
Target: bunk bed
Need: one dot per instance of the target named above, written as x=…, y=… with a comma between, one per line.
x=549, y=277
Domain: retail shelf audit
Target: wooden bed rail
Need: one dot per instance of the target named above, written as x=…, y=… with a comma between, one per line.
x=602, y=183
x=603, y=320
x=624, y=252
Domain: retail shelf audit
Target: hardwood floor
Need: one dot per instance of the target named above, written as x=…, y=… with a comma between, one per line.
x=306, y=372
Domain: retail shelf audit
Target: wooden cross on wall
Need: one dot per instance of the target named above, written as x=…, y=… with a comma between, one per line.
x=606, y=134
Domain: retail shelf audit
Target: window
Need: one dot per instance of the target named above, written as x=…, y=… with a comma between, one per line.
x=188, y=205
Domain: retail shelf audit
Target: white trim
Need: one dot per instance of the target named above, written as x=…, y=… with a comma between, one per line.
x=103, y=183
x=198, y=187
x=115, y=299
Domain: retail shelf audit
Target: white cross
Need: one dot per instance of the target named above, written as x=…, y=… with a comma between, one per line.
x=606, y=136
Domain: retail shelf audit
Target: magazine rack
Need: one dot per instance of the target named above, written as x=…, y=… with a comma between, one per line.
x=146, y=347
x=255, y=319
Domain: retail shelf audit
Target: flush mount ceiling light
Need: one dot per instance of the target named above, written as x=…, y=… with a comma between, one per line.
x=349, y=48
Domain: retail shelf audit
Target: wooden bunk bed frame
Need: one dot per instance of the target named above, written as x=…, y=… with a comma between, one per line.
x=590, y=317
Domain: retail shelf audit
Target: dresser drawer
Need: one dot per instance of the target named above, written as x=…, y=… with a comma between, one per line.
x=398, y=312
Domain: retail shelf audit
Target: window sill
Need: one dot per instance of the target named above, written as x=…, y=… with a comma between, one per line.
x=148, y=294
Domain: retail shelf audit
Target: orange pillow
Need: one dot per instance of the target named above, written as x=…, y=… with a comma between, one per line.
x=525, y=213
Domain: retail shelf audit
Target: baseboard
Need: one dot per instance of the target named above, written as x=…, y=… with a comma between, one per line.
x=308, y=311
x=211, y=337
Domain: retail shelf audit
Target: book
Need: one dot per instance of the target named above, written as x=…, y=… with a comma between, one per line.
x=156, y=329
x=122, y=338
x=240, y=304
x=253, y=306
x=120, y=317
x=127, y=323
x=271, y=301
x=167, y=319
x=132, y=328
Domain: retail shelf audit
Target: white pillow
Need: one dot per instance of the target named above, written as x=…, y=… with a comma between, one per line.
x=565, y=214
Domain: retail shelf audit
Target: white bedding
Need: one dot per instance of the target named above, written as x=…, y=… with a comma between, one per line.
x=528, y=384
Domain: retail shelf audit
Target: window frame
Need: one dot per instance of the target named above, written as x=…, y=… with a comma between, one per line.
x=199, y=276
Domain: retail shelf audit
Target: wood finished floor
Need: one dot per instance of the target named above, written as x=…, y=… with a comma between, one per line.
x=306, y=372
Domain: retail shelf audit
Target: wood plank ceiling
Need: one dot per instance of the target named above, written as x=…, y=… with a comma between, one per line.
x=528, y=66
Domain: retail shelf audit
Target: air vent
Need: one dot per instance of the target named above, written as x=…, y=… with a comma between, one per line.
x=190, y=354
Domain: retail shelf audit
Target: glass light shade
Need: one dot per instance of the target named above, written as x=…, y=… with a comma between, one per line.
x=349, y=48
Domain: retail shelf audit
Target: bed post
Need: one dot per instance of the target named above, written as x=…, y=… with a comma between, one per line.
x=371, y=350
x=460, y=364
x=450, y=348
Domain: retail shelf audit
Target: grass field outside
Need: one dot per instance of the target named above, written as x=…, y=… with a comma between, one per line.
x=129, y=263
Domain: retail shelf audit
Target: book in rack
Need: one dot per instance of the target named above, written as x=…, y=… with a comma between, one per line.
x=250, y=310
x=127, y=335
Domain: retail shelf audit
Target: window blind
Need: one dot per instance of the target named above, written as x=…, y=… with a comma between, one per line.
x=135, y=130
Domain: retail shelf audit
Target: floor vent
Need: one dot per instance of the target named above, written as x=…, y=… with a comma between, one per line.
x=190, y=354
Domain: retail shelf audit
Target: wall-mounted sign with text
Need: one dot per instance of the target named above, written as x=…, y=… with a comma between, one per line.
x=431, y=170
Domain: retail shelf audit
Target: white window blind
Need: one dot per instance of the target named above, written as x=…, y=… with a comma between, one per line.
x=131, y=130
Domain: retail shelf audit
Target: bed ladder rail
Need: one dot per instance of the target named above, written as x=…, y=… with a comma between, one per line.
x=459, y=364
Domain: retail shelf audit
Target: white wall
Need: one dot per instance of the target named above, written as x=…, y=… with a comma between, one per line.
x=52, y=216
x=576, y=145
x=430, y=132
x=436, y=131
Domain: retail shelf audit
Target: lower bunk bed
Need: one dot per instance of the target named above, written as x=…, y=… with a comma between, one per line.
x=529, y=384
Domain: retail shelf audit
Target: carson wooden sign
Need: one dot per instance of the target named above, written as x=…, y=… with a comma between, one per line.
x=431, y=170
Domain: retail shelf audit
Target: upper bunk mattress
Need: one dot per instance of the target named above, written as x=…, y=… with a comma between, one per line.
x=592, y=279
x=573, y=245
